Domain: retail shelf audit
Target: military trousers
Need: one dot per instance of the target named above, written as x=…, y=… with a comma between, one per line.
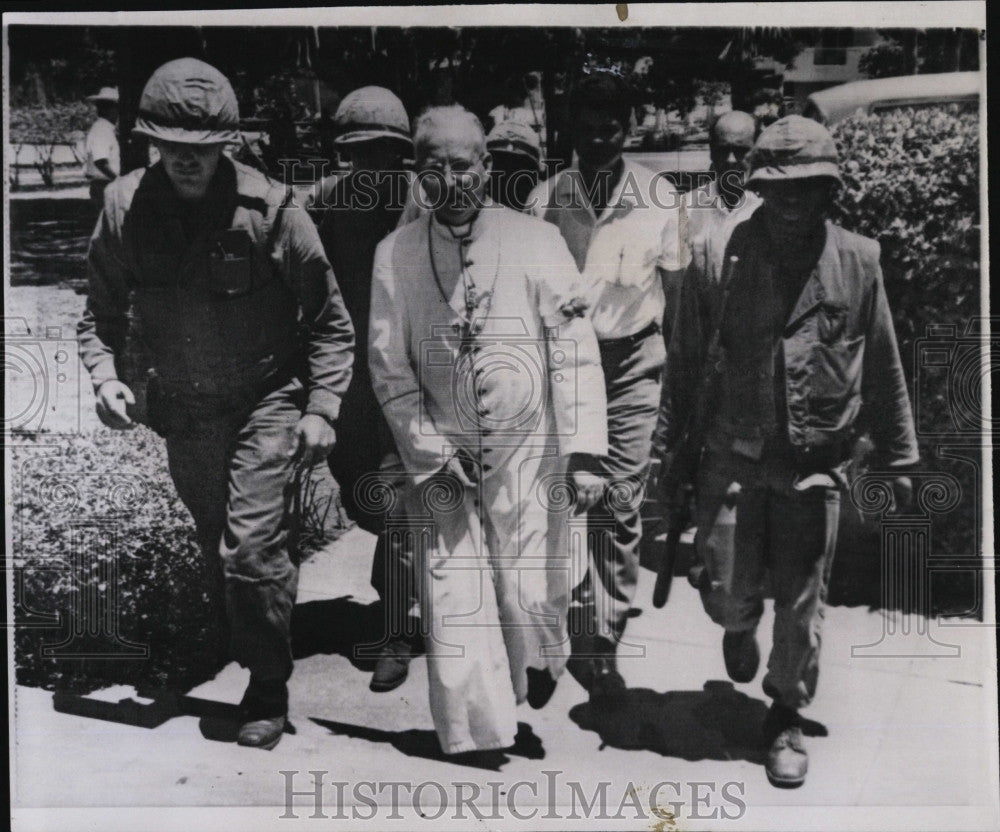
x=632, y=376
x=232, y=464
x=756, y=521
x=373, y=497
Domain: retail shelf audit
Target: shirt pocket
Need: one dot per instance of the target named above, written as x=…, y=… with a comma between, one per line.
x=823, y=367
x=835, y=382
x=230, y=268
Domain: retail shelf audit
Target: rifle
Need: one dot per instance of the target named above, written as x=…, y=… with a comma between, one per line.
x=681, y=471
x=678, y=485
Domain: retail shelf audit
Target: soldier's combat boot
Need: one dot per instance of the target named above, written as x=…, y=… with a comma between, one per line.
x=607, y=687
x=787, y=761
x=263, y=714
x=742, y=654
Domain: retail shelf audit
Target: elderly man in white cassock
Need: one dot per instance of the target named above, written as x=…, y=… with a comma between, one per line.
x=487, y=369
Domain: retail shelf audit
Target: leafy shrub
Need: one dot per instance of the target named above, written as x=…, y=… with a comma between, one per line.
x=911, y=181
x=99, y=515
x=55, y=123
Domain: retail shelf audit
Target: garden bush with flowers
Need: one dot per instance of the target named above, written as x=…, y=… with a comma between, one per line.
x=911, y=181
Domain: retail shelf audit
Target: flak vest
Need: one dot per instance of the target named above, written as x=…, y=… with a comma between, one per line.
x=215, y=314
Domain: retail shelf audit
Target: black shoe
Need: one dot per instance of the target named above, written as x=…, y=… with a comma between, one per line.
x=393, y=666
x=742, y=654
x=607, y=687
x=263, y=714
x=541, y=686
x=787, y=760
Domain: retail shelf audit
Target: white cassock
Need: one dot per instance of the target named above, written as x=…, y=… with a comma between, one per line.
x=519, y=397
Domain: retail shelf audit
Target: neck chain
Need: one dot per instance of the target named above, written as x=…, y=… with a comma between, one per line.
x=472, y=324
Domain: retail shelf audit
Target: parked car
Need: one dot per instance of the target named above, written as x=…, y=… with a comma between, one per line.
x=837, y=103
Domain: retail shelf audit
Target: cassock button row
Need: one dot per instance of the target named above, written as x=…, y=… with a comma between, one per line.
x=467, y=263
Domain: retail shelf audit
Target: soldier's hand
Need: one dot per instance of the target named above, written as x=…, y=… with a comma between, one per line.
x=315, y=439
x=589, y=488
x=113, y=399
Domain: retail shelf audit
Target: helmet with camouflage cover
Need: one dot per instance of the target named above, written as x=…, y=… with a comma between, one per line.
x=794, y=147
x=371, y=113
x=515, y=138
x=190, y=102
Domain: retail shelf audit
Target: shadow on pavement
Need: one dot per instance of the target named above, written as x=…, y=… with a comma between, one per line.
x=716, y=723
x=418, y=742
x=338, y=626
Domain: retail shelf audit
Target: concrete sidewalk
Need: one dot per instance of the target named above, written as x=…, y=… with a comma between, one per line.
x=909, y=732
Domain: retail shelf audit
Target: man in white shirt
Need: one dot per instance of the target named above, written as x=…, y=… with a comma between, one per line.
x=712, y=210
x=103, y=159
x=711, y=204
x=624, y=225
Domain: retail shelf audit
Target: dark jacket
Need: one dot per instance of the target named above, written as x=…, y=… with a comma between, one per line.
x=246, y=299
x=838, y=365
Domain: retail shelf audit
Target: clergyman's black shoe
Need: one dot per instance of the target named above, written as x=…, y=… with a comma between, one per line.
x=541, y=686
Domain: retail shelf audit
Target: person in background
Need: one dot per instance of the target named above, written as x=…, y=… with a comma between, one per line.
x=249, y=352
x=624, y=226
x=486, y=440
x=359, y=210
x=722, y=200
x=725, y=195
x=516, y=157
x=784, y=344
x=102, y=162
x=524, y=103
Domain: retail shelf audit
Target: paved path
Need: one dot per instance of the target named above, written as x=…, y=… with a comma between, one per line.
x=909, y=733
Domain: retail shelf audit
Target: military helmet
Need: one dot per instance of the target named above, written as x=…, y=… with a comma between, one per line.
x=793, y=147
x=371, y=113
x=190, y=102
x=514, y=137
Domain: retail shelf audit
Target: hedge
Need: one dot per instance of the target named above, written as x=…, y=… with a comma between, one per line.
x=116, y=486
x=911, y=181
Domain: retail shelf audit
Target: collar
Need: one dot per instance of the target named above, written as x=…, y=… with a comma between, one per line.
x=472, y=230
x=821, y=285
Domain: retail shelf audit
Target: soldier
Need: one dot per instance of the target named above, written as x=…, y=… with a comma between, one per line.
x=517, y=158
x=784, y=348
x=359, y=211
x=487, y=371
x=250, y=350
x=624, y=226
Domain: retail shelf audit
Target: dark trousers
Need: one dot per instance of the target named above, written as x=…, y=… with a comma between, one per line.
x=772, y=527
x=234, y=472
x=632, y=378
x=363, y=441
